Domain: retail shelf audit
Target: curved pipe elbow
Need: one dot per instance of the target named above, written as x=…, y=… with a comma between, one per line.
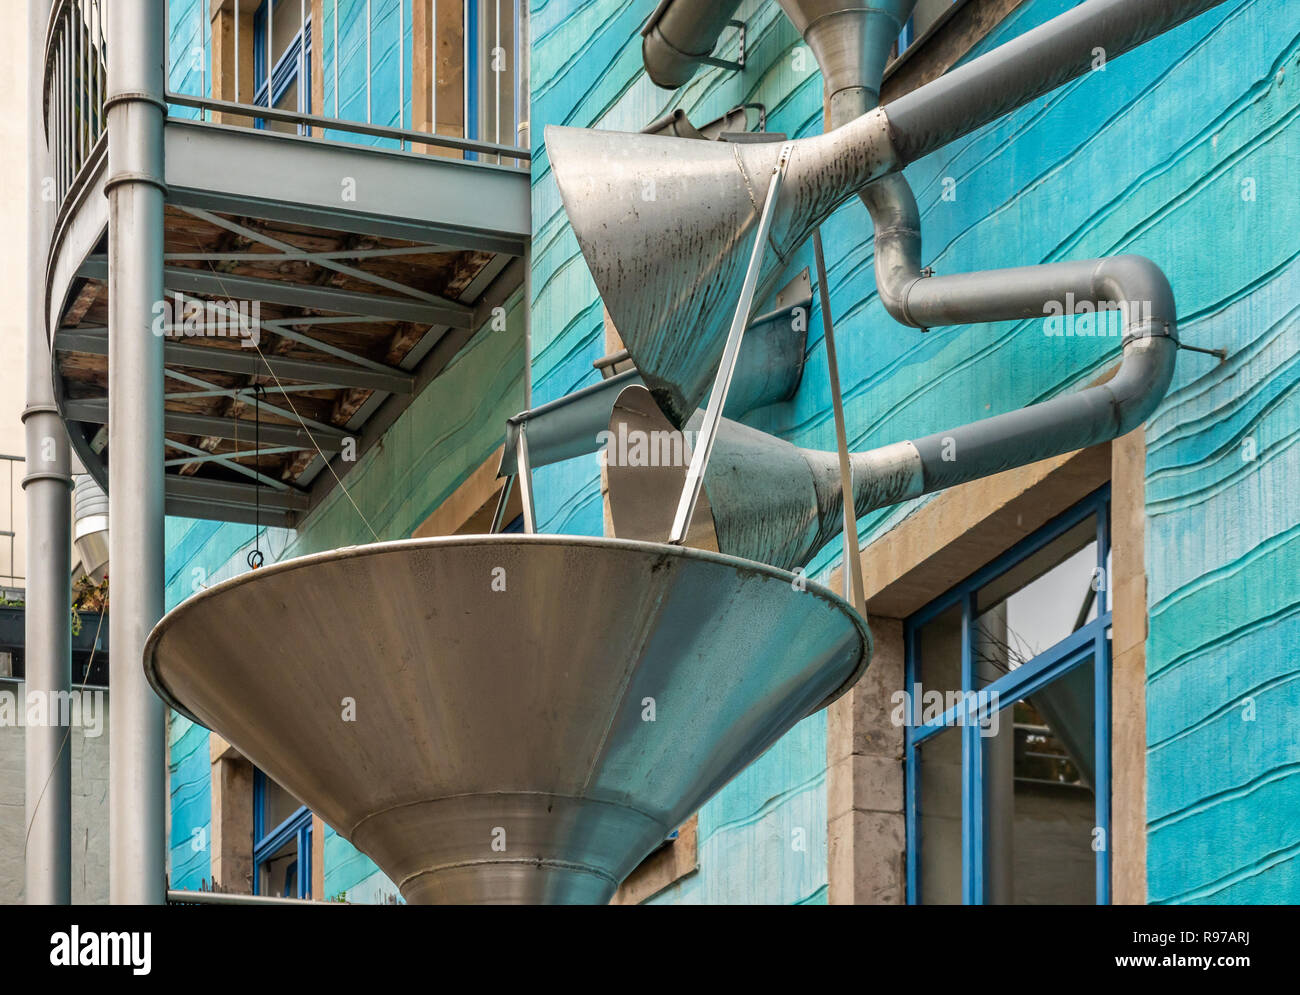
x=897, y=220
x=1142, y=292
x=1140, y=383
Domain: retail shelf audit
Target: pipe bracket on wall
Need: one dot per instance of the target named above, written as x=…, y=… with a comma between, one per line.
x=739, y=63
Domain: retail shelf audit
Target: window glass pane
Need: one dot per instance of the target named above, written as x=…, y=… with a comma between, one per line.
x=286, y=21
x=279, y=874
x=288, y=101
x=1038, y=602
x=277, y=805
x=1039, y=803
x=940, y=817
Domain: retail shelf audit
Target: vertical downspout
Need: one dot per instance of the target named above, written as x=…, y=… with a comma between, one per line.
x=47, y=489
x=137, y=769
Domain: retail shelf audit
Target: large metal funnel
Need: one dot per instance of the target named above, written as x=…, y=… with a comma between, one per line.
x=532, y=714
x=666, y=226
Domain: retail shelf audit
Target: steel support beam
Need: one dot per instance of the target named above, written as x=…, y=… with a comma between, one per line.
x=353, y=188
x=47, y=488
x=135, y=186
x=96, y=411
x=252, y=288
x=197, y=497
x=249, y=362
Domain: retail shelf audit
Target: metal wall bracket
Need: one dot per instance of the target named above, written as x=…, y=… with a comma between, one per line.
x=710, y=60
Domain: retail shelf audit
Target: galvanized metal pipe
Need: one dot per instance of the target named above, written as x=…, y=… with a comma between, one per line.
x=680, y=35
x=135, y=188
x=1063, y=424
x=46, y=486
x=1028, y=66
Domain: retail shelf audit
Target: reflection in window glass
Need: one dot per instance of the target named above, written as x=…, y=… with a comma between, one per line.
x=1042, y=599
x=279, y=873
x=1039, y=803
x=940, y=805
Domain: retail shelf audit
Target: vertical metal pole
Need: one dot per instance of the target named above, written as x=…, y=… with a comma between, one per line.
x=433, y=67
x=336, y=58
x=525, y=475
x=367, y=61
x=204, y=75
x=853, y=583
x=972, y=767
x=727, y=366
x=270, y=49
x=79, y=82
x=401, y=70
x=46, y=486
x=523, y=66
x=137, y=766
x=238, y=93
x=496, y=82
x=304, y=92
x=65, y=103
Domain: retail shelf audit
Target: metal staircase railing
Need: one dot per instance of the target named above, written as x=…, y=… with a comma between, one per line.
x=75, y=82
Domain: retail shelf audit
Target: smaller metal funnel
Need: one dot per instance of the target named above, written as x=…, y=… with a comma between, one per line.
x=851, y=40
x=506, y=718
x=763, y=498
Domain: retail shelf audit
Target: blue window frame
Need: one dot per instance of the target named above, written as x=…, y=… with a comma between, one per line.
x=1053, y=585
x=281, y=844
x=289, y=84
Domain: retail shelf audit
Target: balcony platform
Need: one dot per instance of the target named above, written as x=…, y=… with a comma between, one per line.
x=371, y=268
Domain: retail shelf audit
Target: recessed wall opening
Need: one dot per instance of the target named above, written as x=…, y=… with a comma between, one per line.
x=1007, y=741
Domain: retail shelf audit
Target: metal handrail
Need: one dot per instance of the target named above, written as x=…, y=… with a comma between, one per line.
x=13, y=579
x=75, y=84
x=485, y=16
x=400, y=135
x=179, y=897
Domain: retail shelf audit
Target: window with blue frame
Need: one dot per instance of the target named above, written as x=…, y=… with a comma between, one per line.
x=281, y=841
x=286, y=48
x=1007, y=725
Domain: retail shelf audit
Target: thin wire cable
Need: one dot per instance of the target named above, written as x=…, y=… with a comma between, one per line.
x=319, y=451
x=255, y=558
x=325, y=459
x=85, y=676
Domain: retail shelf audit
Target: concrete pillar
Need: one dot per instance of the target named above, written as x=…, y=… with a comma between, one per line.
x=864, y=787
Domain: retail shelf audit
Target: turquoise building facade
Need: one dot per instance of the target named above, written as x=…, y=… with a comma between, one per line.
x=1183, y=151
